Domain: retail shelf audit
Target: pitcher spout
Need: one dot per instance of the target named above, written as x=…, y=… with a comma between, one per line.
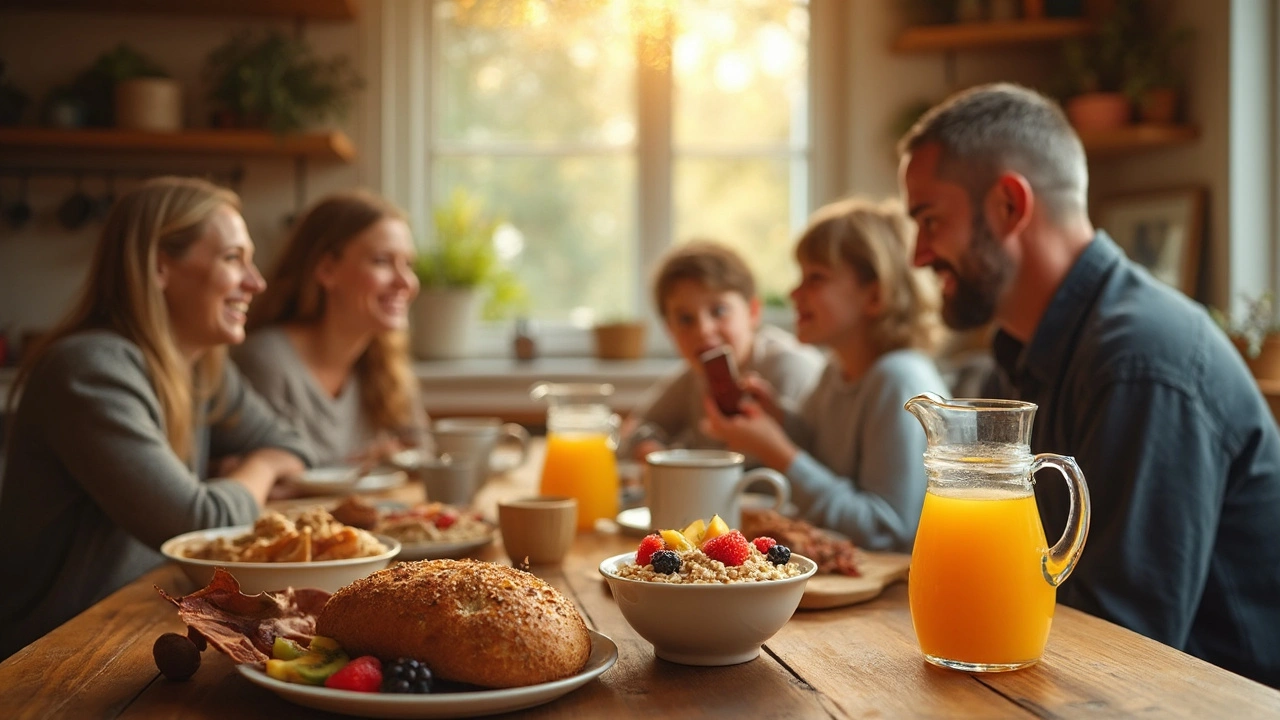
x=928, y=409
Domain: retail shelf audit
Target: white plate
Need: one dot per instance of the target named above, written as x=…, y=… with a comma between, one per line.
x=636, y=520
x=604, y=653
x=437, y=550
x=339, y=479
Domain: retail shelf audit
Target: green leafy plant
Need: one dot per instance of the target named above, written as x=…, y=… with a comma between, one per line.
x=463, y=255
x=1133, y=51
x=278, y=82
x=94, y=88
x=1252, y=329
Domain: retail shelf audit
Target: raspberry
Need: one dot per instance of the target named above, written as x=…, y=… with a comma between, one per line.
x=364, y=674
x=648, y=546
x=731, y=548
x=666, y=562
x=764, y=543
x=779, y=555
x=445, y=520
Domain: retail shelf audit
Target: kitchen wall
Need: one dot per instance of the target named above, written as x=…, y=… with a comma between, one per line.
x=42, y=265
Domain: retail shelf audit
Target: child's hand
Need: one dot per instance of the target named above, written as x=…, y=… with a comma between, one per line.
x=753, y=432
x=763, y=393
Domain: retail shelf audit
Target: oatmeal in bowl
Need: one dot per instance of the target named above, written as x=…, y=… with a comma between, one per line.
x=705, y=595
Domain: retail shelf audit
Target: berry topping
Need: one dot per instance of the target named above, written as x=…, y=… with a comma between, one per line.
x=648, y=546
x=364, y=674
x=731, y=548
x=407, y=675
x=445, y=520
x=764, y=543
x=666, y=562
x=176, y=656
x=779, y=554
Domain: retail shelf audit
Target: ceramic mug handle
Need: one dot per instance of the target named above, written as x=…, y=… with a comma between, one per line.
x=777, y=481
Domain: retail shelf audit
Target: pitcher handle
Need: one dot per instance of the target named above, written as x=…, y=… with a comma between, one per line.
x=614, y=428
x=1062, y=557
x=514, y=433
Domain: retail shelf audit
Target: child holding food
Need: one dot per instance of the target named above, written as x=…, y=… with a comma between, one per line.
x=852, y=454
x=706, y=296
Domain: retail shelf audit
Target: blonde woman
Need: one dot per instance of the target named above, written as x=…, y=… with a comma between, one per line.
x=328, y=344
x=123, y=402
x=852, y=454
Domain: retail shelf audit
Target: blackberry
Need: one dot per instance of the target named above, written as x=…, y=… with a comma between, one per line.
x=406, y=675
x=779, y=555
x=665, y=562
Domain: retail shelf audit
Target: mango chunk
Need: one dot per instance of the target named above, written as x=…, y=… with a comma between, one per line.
x=715, y=528
x=694, y=532
x=676, y=540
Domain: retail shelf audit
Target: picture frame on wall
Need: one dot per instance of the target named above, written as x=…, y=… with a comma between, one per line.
x=1160, y=230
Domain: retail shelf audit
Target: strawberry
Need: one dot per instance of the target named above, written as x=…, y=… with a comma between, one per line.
x=731, y=548
x=445, y=520
x=364, y=674
x=764, y=543
x=648, y=546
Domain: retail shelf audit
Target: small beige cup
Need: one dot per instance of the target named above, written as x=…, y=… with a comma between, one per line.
x=538, y=528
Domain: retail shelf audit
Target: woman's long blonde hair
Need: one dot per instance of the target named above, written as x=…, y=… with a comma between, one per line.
x=876, y=241
x=163, y=215
x=295, y=296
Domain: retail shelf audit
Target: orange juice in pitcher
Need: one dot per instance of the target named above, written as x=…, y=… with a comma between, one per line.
x=983, y=581
x=581, y=439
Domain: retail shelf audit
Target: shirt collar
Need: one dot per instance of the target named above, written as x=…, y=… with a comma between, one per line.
x=1049, y=348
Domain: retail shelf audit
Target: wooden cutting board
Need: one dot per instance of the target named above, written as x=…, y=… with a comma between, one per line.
x=878, y=571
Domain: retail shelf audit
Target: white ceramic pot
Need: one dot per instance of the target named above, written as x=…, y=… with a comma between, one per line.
x=443, y=322
x=153, y=104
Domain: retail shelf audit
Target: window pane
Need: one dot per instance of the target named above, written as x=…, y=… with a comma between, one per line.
x=741, y=72
x=574, y=244
x=743, y=203
x=534, y=71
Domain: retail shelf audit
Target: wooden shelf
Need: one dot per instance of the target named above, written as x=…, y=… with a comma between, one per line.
x=976, y=36
x=291, y=9
x=324, y=145
x=1136, y=138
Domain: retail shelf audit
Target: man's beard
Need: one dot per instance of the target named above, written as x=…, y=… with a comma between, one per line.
x=981, y=278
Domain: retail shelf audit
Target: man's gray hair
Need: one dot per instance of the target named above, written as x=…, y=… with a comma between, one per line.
x=990, y=129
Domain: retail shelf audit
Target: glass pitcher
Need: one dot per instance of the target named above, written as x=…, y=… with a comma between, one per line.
x=983, y=581
x=582, y=434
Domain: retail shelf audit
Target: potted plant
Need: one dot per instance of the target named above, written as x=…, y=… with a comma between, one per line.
x=620, y=339
x=1153, y=70
x=96, y=87
x=461, y=278
x=277, y=82
x=1256, y=336
x=1094, y=74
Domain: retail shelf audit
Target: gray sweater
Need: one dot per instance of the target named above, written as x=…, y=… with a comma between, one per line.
x=861, y=466
x=91, y=487
x=334, y=428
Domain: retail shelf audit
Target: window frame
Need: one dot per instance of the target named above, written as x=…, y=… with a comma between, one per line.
x=398, y=37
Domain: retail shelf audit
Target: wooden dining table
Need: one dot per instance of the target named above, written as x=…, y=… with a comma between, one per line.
x=857, y=661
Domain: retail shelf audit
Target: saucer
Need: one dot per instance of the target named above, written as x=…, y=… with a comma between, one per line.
x=635, y=522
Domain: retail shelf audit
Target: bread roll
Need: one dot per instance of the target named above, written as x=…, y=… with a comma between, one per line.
x=469, y=621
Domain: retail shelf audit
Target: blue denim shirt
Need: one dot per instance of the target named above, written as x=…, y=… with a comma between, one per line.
x=1181, y=455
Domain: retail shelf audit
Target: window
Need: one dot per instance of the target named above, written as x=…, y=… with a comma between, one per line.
x=603, y=131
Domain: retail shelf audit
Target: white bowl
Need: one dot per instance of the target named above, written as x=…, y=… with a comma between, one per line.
x=328, y=480
x=706, y=624
x=256, y=577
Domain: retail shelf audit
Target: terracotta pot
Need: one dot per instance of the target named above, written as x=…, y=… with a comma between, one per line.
x=1158, y=105
x=1266, y=366
x=1099, y=111
x=153, y=104
x=620, y=341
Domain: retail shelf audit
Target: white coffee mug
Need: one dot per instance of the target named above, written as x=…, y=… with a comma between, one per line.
x=473, y=441
x=685, y=485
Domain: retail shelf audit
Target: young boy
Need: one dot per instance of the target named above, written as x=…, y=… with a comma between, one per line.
x=706, y=296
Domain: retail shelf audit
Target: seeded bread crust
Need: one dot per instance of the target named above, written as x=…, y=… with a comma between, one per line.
x=469, y=621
